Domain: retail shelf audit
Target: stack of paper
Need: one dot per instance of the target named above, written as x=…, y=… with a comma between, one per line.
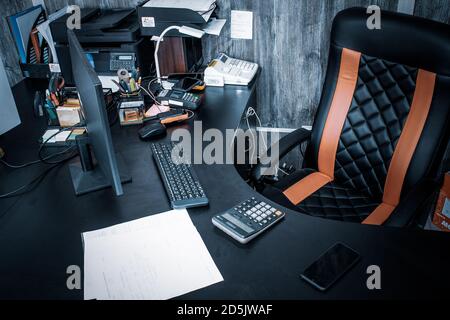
x=204, y=7
x=54, y=135
x=157, y=257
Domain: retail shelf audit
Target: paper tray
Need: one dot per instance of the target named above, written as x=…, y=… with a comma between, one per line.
x=153, y=21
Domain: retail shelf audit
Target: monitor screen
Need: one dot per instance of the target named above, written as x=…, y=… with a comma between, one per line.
x=9, y=117
x=92, y=100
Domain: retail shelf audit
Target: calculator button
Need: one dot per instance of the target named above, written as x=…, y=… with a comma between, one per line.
x=264, y=215
x=259, y=219
x=273, y=210
x=278, y=213
x=253, y=216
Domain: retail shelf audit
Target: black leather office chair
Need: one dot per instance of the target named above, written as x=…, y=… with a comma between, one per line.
x=381, y=127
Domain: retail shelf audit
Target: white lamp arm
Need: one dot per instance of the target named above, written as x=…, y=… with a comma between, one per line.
x=158, y=73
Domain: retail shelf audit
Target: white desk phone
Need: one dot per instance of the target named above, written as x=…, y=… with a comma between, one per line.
x=225, y=70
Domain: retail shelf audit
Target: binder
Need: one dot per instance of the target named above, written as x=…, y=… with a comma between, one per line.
x=22, y=24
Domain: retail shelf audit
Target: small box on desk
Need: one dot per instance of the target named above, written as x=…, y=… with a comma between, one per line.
x=131, y=109
x=69, y=114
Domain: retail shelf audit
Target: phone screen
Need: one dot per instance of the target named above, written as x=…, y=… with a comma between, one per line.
x=330, y=266
x=186, y=84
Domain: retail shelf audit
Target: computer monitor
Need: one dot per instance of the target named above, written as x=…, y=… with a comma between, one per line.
x=107, y=169
x=9, y=117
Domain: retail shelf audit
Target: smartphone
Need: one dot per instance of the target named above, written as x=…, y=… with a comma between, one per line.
x=330, y=266
x=179, y=76
x=186, y=84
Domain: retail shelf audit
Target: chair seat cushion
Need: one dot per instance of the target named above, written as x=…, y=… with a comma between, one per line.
x=332, y=201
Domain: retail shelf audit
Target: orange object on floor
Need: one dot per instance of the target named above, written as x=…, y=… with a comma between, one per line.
x=441, y=217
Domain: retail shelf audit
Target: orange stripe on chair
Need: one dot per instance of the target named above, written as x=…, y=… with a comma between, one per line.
x=342, y=99
x=305, y=187
x=405, y=148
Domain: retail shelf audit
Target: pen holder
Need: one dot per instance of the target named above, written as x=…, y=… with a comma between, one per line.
x=131, y=94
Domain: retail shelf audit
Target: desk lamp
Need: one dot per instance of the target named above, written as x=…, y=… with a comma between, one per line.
x=184, y=30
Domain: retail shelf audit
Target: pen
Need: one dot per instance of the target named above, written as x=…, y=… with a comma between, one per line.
x=132, y=85
x=124, y=85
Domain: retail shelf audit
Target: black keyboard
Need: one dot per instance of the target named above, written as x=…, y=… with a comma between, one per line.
x=180, y=180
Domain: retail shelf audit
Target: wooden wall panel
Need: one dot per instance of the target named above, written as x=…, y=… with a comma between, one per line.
x=438, y=10
x=291, y=39
x=8, y=50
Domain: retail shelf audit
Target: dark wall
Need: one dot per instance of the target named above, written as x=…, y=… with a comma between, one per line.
x=8, y=51
x=433, y=9
x=290, y=42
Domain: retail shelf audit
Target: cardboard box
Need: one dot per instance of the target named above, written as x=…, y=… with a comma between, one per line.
x=441, y=217
x=69, y=115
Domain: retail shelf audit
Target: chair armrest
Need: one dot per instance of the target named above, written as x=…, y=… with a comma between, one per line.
x=284, y=145
x=416, y=200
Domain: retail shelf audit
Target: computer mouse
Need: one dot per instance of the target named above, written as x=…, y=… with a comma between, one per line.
x=152, y=131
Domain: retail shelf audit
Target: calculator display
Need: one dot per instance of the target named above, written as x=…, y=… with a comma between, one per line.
x=223, y=58
x=237, y=223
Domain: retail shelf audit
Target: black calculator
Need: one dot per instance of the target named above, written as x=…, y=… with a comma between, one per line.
x=248, y=219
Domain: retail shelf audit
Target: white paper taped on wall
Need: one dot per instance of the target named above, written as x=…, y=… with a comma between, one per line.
x=241, y=24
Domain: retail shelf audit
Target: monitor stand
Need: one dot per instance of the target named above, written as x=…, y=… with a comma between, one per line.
x=87, y=176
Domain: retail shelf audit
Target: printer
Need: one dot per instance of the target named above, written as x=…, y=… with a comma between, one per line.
x=111, y=39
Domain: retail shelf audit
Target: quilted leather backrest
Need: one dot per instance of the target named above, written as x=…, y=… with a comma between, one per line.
x=375, y=120
x=390, y=60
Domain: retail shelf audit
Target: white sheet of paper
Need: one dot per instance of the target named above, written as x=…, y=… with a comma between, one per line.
x=157, y=257
x=241, y=24
x=215, y=26
x=107, y=83
x=195, y=5
x=61, y=137
x=48, y=134
x=205, y=7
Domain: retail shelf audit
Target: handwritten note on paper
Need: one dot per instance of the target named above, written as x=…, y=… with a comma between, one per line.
x=241, y=24
x=158, y=257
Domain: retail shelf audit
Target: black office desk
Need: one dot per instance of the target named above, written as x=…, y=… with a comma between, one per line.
x=40, y=234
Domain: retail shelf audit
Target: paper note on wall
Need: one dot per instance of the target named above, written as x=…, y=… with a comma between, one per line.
x=241, y=24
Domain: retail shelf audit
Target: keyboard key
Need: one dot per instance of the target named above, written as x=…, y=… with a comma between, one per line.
x=179, y=179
